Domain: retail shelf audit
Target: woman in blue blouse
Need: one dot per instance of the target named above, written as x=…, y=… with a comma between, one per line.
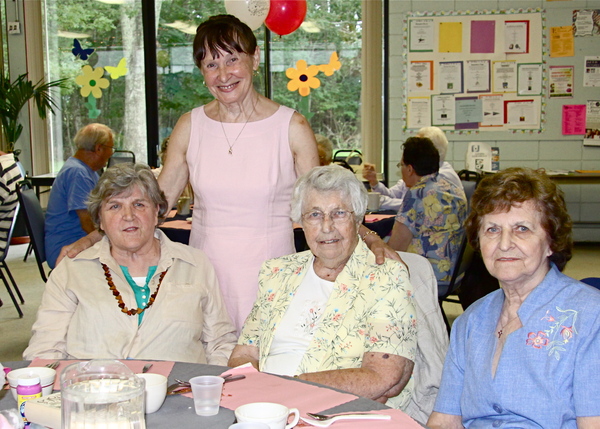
x=526, y=355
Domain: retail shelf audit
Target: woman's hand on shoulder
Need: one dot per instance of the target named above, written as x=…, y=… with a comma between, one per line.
x=303, y=144
x=79, y=246
x=378, y=246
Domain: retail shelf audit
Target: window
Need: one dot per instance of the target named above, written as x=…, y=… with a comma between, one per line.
x=99, y=46
x=115, y=94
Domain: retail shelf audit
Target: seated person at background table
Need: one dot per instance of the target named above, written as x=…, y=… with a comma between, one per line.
x=67, y=217
x=135, y=294
x=391, y=199
x=10, y=174
x=527, y=354
x=325, y=149
x=430, y=221
x=331, y=314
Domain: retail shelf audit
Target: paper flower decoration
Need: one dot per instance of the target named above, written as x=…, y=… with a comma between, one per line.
x=334, y=64
x=302, y=78
x=91, y=81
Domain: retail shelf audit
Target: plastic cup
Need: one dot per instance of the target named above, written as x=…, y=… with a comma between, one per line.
x=206, y=390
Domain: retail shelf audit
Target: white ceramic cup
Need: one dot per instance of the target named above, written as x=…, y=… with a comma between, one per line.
x=274, y=415
x=155, y=391
x=374, y=201
x=249, y=425
x=206, y=390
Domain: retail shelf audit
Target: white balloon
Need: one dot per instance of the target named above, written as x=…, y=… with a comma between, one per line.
x=252, y=12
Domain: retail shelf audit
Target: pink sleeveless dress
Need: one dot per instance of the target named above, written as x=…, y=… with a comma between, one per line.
x=241, y=201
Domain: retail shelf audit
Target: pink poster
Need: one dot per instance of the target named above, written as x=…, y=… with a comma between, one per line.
x=483, y=37
x=573, y=119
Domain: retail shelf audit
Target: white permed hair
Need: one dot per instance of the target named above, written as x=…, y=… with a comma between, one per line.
x=330, y=178
x=438, y=138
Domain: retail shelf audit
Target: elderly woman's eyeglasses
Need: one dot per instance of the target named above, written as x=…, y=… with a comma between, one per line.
x=316, y=216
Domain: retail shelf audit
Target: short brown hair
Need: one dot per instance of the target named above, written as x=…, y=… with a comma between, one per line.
x=500, y=191
x=223, y=33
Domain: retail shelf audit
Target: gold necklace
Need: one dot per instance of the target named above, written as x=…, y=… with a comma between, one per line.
x=242, y=130
x=119, y=298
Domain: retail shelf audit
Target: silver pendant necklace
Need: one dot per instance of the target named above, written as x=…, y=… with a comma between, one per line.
x=231, y=145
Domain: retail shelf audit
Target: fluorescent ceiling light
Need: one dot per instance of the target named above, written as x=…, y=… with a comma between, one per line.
x=310, y=27
x=113, y=1
x=184, y=27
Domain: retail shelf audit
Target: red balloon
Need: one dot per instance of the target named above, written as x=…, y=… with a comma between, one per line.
x=285, y=16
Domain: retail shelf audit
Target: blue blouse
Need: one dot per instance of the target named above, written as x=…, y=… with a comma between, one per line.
x=549, y=371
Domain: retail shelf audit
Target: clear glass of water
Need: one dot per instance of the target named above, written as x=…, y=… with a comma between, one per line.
x=206, y=390
x=102, y=394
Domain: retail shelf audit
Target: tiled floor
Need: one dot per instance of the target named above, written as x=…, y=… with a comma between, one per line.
x=15, y=332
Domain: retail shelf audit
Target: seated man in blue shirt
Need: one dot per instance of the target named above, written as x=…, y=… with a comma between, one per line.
x=431, y=220
x=67, y=218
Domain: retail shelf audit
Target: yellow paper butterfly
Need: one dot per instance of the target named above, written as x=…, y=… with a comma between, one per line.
x=334, y=64
x=118, y=71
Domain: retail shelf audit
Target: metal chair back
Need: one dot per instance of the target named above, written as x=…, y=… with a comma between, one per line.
x=34, y=218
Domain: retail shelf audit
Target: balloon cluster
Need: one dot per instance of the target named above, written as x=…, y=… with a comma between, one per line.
x=280, y=16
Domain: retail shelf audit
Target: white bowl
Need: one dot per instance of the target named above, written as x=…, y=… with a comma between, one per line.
x=155, y=391
x=47, y=376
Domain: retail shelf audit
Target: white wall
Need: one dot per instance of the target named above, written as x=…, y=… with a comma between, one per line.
x=549, y=149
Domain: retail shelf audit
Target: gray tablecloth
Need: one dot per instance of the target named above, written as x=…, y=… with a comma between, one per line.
x=178, y=411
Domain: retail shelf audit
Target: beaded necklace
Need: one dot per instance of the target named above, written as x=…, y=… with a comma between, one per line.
x=119, y=298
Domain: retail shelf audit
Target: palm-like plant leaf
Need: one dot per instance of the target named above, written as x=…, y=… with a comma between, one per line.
x=15, y=95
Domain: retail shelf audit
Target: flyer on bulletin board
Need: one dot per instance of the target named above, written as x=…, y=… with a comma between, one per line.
x=573, y=119
x=591, y=71
x=592, y=123
x=561, y=81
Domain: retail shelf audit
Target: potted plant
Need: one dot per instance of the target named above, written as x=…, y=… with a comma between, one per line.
x=14, y=96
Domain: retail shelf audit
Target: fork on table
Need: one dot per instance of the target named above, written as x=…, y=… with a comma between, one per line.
x=53, y=365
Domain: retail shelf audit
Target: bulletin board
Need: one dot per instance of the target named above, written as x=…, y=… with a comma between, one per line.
x=476, y=71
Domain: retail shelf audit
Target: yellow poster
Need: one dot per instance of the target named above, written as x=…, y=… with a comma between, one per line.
x=450, y=37
x=561, y=41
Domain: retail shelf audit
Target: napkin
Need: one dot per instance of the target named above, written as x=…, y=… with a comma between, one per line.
x=399, y=420
x=262, y=387
x=158, y=367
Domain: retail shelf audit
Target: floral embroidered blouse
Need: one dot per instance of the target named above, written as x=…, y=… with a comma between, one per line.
x=553, y=359
x=370, y=310
x=435, y=210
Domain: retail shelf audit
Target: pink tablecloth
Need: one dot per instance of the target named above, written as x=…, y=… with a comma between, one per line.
x=158, y=367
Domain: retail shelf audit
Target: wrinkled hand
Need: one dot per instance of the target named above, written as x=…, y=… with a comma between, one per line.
x=382, y=251
x=370, y=174
x=379, y=247
x=79, y=246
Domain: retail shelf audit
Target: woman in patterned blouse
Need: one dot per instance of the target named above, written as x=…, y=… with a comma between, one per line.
x=331, y=315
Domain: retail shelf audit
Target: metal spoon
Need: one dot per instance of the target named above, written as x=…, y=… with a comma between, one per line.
x=322, y=417
x=326, y=421
x=146, y=368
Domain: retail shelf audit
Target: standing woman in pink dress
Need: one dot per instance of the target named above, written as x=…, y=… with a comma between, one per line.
x=242, y=153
